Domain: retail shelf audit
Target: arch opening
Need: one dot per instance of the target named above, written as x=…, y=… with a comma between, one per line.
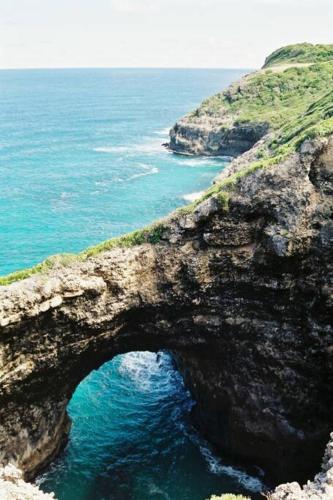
x=132, y=437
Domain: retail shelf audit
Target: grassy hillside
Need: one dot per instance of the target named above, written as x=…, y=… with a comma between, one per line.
x=300, y=53
x=296, y=102
x=270, y=97
x=316, y=121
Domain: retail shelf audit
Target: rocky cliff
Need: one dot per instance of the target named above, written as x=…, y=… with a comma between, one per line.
x=241, y=293
x=231, y=122
x=210, y=136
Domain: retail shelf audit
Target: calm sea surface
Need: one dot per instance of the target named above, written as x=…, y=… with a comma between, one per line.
x=81, y=161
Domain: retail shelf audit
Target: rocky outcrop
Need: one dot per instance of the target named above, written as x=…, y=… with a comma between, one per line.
x=243, y=297
x=211, y=136
x=289, y=97
x=12, y=486
x=321, y=488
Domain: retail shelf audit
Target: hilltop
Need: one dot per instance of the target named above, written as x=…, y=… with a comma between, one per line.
x=300, y=53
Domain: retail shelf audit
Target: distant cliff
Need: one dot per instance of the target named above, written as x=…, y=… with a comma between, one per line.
x=230, y=123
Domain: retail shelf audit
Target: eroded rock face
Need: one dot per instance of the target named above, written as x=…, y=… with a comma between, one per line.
x=209, y=135
x=242, y=297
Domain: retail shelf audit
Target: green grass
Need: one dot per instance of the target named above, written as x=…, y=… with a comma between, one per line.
x=270, y=97
x=315, y=121
x=44, y=267
x=300, y=53
x=151, y=234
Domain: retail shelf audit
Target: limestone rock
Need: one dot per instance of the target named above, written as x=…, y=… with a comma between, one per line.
x=211, y=135
x=12, y=486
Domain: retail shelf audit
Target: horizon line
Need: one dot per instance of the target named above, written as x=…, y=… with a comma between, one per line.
x=126, y=67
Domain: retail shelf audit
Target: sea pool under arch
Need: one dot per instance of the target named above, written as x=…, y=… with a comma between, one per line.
x=132, y=438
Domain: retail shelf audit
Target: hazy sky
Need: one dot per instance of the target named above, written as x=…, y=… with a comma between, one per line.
x=162, y=33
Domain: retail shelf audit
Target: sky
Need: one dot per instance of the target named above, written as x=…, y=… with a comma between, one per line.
x=156, y=33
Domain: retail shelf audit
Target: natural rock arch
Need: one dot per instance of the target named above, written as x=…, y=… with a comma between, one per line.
x=240, y=295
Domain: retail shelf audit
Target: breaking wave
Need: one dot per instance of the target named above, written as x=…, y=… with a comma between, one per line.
x=192, y=196
x=148, y=147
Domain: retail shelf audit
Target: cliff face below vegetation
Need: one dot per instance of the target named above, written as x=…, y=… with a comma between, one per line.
x=208, y=136
x=240, y=292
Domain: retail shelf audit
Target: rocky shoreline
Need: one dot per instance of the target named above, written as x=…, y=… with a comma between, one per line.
x=13, y=487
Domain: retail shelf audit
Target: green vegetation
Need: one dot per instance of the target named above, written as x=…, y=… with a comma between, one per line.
x=270, y=97
x=296, y=103
x=43, y=267
x=316, y=121
x=300, y=53
x=151, y=234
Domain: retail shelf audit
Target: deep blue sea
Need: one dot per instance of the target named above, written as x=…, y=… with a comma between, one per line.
x=81, y=161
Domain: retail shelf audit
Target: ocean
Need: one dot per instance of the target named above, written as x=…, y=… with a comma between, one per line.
x=81, y=161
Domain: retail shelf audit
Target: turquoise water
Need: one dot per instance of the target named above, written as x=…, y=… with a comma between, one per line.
x=81, y=157
x=81, y=161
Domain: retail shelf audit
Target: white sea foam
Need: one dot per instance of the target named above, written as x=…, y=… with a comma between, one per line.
x=148, y=147
x=147, y=170
x=164, y=132
x=192, y=196
x=154, y=170
x=62, y=203
x=144, y=368
x=193, y=162
x=207, y=161
x=154, y=490
x=216, y=466
x=111, y=149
